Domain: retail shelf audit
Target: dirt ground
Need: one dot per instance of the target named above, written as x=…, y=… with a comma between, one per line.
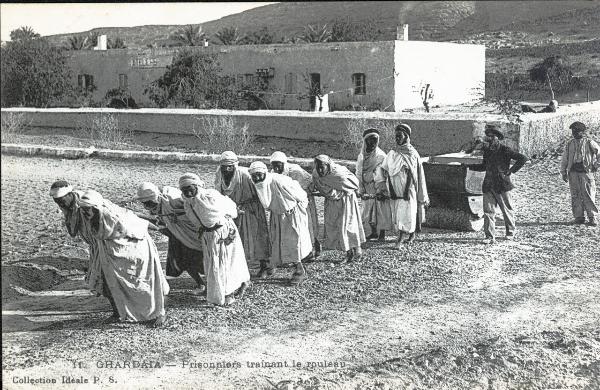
x=447, y=312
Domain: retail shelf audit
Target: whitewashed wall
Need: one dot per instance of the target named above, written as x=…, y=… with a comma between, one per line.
x=456, y=73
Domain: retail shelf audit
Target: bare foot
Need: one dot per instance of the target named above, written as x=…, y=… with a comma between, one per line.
x=113, y=318
x=200, y=291
x=159, y=321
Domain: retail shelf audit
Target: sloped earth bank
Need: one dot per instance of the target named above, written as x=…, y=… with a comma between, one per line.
x=262, y=146
x=448, y=312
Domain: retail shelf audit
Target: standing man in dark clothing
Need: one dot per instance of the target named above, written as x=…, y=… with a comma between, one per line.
x=497, y=183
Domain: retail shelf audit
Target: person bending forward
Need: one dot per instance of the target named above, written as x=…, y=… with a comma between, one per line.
x=67, y=200
x=279, y=164
x=225, y=265
x=185, y=248
x=129, y=260
x=343, y=224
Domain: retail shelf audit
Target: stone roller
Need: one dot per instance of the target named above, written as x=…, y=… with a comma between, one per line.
x=455, y=193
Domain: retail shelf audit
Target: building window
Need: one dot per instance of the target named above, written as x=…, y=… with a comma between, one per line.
x=360, y=83
x=239, y=81
x=123, y=81
x=249, y=79
x=290, y=82
x=85, y=81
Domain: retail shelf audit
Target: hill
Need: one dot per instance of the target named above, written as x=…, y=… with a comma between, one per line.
x=517, y=34
x=428, y=20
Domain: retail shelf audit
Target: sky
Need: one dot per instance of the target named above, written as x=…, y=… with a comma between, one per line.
x=59, y=18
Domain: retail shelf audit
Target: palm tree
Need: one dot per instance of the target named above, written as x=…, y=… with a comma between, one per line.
x=189, y=35
x=116, y=44
x=92, y=40
x=315, y=34
x=230, y=36
x=260, y=37
x=77, y=42
x=23, y=33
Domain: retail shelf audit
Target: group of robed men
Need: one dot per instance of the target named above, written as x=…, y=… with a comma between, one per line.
x=219, y=232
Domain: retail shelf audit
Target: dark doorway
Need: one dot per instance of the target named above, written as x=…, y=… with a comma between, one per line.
x=315, y=89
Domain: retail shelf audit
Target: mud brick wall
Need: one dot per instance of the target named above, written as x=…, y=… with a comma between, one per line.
x=433, y=133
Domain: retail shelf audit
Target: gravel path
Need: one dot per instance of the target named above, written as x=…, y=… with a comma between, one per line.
x=448, y=312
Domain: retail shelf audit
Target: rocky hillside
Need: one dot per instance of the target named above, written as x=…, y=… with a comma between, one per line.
x=428, y=20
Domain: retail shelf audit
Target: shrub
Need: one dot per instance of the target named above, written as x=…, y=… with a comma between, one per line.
x=194, y=80
x=552, y=70
x=34, y=73
x=220, y=133
x=78, y=97
x=504, y=92
x=13, y=124
x=373, y=106
x=104, y=129
x=119, y=98
x=346, y=30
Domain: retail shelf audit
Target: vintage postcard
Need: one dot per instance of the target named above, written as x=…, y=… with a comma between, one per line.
x=300, y=195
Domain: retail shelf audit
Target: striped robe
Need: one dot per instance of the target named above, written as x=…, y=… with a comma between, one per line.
x=375, y=212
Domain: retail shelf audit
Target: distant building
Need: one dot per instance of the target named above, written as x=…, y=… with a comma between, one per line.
x=388, y=75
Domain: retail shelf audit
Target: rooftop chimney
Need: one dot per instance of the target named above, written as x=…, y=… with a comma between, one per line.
x=402, y=33
x=102, y=43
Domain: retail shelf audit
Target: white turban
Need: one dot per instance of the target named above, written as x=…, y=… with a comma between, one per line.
x=258, y=166
x=189, y=179
x=91, y=198
x=59, y=192
x=263, y=188
x=228, y=158
x=147, y=192
x=279, y=157
x=325, y=159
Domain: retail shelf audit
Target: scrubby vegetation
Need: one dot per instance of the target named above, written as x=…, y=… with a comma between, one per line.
x=220, y=133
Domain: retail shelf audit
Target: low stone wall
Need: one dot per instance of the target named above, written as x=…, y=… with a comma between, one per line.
x=538, y=132
x=434, y=133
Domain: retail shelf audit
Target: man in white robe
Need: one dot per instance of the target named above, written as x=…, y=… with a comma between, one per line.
x=128, y=258
x=401, y=179
x=289, y=233
x=67, y=200
x=280, y=164
x=343, y=224
x=227, y=276
x=376, y=213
